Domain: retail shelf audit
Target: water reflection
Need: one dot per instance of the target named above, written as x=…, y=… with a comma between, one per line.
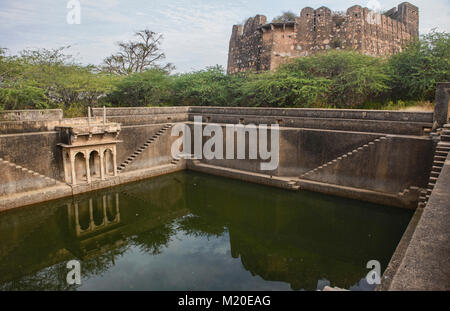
x=184, y=232
x=91, y=215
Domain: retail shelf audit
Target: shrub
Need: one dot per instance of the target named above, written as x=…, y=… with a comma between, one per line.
x=416, y=70
x=149, y=88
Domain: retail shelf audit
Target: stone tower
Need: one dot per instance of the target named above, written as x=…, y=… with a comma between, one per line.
x=259, y=45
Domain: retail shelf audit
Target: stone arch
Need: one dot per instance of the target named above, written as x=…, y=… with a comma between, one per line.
x=108, y=161
x=80, y=167
x=110, y=207
x=83, y=213
x=97, y=212
x=94, y=164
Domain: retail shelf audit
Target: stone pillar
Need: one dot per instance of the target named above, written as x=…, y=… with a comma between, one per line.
x=441, y=111
x=72, y=167
x=102, y=165
x=77, y=220
x=88, y=170
x=89, y=117
x=91, y=215
x=105, y=204
x=117, y=218
x=114, y=161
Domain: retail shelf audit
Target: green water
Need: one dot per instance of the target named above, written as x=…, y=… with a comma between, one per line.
x=189, y=231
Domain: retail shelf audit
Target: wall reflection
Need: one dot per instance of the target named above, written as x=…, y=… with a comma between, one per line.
x=319, y=239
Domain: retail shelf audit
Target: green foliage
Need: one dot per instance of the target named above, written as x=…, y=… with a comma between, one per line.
x=287, y=16
x=209, y=87
x=50, y=79
x=284, y=88
x=416, y=70
x=353, y=78
x=23, y=97
x=149, y=88
x=340, y=79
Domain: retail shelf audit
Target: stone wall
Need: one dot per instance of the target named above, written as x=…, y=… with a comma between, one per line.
x=31, y=115
x=382, y=167
x=144, y=115
x=36, y=151
x=309, y=138
x=264, y=46
x=376, y=121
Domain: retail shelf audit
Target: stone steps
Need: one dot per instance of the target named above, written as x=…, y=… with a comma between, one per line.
x=175, y=161
x=31, y=172
x=408, y=191
x=441, y=153
x=293, y=184
x=144, y=146
x=21, y=174
x=345, y=156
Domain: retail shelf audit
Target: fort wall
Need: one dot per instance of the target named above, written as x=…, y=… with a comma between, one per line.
x=259, y=45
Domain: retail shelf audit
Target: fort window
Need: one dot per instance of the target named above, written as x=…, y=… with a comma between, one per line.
x=337, y=43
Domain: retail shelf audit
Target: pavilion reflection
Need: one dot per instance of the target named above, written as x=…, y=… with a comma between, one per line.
x=87, y=217
x=95, y=228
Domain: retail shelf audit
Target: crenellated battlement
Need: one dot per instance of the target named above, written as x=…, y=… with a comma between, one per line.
x=259, y=45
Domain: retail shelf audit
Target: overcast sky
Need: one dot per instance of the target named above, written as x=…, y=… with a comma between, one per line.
x=196, y=32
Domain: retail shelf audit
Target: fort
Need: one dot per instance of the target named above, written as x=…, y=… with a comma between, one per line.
x=394, y=158
x=259, y=45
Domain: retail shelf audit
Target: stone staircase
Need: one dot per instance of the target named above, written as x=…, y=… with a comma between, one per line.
x=440, y=155
x=175, y=161
x=142, y=148
x=24, y=179
x=412, y=190
x=343, y=157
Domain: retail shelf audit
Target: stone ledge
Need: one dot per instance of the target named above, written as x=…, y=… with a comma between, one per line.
x=284, y=182
x=33, y=197
x=56, y=192
x=399, y=252
x=426, y=263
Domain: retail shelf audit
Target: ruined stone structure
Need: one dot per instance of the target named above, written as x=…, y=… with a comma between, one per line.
x=394, y=158
x=259, y=45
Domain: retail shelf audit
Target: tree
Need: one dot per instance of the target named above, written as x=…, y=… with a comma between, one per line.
x=47, y=57
x=208, y=87
x=43, y=78
x=137, y=56
x=287, y=16
x=149, y=88
x=416, y=70
x=2, y=53
x=283, y=88
x=354, y=78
